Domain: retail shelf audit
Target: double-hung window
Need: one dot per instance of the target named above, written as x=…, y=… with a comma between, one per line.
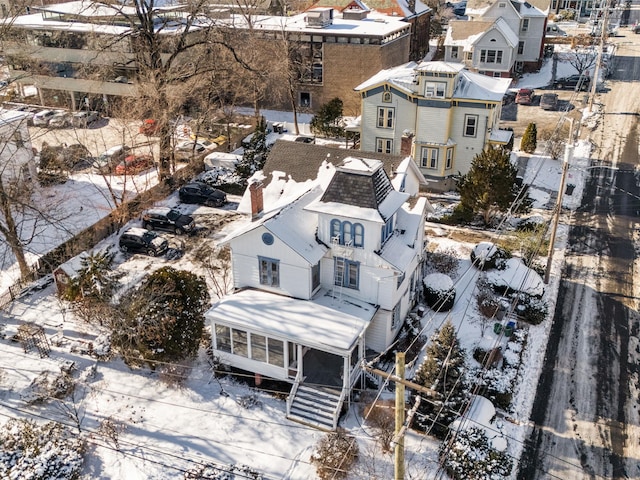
x=386, y=116
x=491, y=56
x=470, y=125
x=384, y=145
x=269, y=271
x=435, y=89
x=430, y=158
x=449, y=162
x=520, y=47
x=350, y=277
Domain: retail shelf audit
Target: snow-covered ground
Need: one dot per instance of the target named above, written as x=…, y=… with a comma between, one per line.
x=168, y=430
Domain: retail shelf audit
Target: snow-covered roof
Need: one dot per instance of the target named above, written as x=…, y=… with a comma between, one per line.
x=386, y=7
x=10, y=116
x=400, y=250
x=323, y=322
x=475, y=86
x=471, y=86
x=500, y=136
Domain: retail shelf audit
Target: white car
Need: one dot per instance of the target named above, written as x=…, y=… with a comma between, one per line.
x=41, y=119
x=84, y=118
x=193, y=148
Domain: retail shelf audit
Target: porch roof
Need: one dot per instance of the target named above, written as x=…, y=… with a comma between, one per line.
x=326, y=322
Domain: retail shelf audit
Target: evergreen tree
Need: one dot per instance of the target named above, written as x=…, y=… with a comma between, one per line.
x=326, y=121
x=470, y=456
x=529, y=140
x=95, y=280
x=255, y=154
x=163, y=319
x=490, y=186
x=442, y=371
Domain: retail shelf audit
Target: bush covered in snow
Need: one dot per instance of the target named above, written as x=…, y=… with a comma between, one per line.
x=486, y=255
x=211, y=471
x=443, y=261
x=470, y=457
x=439, y=292
x=335, y=455
x=39, y=452
x=531, y=308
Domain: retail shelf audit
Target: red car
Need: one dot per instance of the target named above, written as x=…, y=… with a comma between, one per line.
x=524, y=96
x=148, y=127
x=134, y=164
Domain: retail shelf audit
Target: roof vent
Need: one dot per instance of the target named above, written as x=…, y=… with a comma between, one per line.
x=320, y=17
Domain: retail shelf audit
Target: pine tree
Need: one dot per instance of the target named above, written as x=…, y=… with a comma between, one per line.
x=442, y=371
x=163, y=319
x=255, y=154
x=326, y=121
x=529, y=140
x=490, y=186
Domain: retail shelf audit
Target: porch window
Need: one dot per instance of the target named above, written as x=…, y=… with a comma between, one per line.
x=223, y=338
x=355, y=356
x=240, y=345
x=269, y=271
x=276, y=352
x=259, y=347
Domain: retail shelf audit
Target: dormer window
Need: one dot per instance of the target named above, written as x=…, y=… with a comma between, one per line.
x=435, y=89
x=387, y=231
x=347, y=233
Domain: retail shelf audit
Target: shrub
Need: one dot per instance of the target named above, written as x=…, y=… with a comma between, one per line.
x=529, y=140
x=439, y=292
x=335, y=455
x=39, y=452
x=532, y=309
x=487, y=255
x=381, y=416
x=470, y=456
x=443, y=261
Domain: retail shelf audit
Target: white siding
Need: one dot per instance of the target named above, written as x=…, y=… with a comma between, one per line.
x=493, y=40
x=378, y=336
x=404, y=120
x=294, y=271
x=432, y=126
x=468, y=147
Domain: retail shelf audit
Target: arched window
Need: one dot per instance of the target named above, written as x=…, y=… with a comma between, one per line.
x=358, y=235
x=347, y=233
x=335, y=230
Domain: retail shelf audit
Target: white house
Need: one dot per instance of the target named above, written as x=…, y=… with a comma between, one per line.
x=501, y=38
x=325, y=271
x=16, y=155
x=438, y=112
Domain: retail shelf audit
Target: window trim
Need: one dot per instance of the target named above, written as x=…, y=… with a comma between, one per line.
x=429, y=160
x=435, y=87
x=270, y=263
x=449, y=161
x=350, y=266
x=521, y=45
x=386, y=117
x=525, y=25
x=468, y=119
x=386, y=147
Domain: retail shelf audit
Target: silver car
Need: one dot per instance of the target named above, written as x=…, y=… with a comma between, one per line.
x=84, y=118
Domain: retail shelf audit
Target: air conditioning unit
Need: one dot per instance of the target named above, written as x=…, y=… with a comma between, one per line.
x=428, y=94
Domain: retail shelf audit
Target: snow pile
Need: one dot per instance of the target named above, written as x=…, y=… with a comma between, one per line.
x=484, y=251
x=438, y=282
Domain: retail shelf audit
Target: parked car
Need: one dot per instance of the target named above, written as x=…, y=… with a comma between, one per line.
x=219, y=140
x=149, y=127
x=202, y=194
x=84, y=118
x=107, y=161
x=573, y=82
x=169, y=219
x=554, y=31
x=305, y=139
x=41, y=119
x=458, y=8
x=139, y=240
x=549, y=101
x=190, y=148
x=524, y=96
x=60, y=120
x=636, y=28
x=134, y=164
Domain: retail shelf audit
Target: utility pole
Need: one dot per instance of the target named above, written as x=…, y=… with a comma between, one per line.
x=400, y=426
x=604, y=31
x=398, y=468
x=568, y=152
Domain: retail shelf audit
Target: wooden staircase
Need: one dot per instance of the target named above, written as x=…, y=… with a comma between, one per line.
x=316, y=407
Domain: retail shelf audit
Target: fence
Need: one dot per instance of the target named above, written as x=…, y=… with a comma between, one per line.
x=100, y=230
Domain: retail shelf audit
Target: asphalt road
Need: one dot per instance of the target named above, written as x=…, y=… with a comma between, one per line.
x=585, y=415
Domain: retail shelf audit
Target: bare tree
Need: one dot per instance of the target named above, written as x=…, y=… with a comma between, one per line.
x=581, y=59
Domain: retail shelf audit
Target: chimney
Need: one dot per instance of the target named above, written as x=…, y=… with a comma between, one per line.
x=257, y=204
x=405, y=144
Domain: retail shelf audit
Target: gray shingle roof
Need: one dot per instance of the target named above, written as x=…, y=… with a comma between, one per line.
x=360, y=189
x=301, y=161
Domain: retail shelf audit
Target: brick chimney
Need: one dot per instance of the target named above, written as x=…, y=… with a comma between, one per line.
x=405, y=143
x=257, y=203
